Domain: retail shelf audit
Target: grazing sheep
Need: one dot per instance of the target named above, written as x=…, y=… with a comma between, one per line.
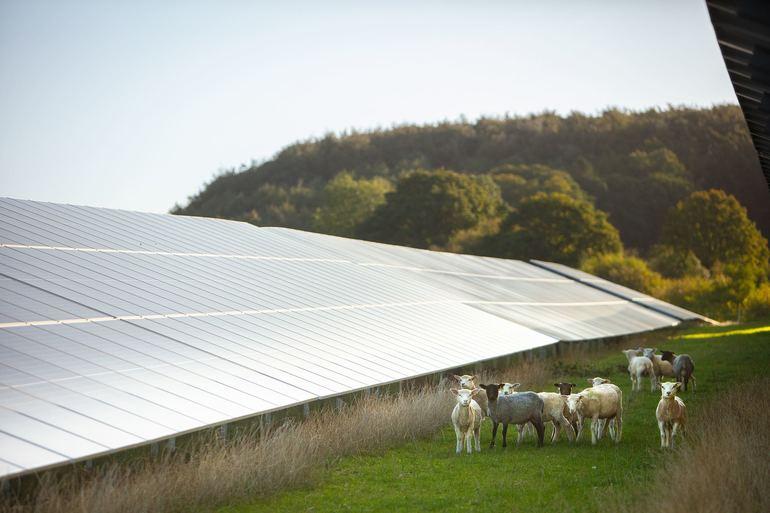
x=601, y=402
x=639, y=366
x=661, y=366
x=518, y=408
x=671, y=413
x=468, y=382
x=683, y=368
x=466, y=419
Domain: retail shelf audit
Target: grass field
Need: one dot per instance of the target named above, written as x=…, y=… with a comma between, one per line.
x=426, y=475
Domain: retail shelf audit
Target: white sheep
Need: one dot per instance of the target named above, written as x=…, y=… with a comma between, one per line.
x=601, y=402
x=509, y=388
x=671, y=413
x=466, y=419
x=661, y=366
x=639, y=366
x=553, y=411
x=468, y=382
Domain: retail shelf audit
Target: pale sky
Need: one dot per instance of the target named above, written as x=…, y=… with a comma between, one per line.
x=136, y=104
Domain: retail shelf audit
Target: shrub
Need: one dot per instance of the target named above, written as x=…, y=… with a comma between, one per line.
x=630, y=271
x=674, y=262
x=757, y=303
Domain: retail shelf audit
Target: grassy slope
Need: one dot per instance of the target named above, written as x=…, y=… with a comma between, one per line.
x=426, y=475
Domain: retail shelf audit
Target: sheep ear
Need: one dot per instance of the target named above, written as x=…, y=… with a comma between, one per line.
x=473, y=378
x=501, y=385
x=453, y=390
x=484, y=387
x=590, y=381
x=556, y=385
x=456, y=377
x=515, y=385
x=573, y=385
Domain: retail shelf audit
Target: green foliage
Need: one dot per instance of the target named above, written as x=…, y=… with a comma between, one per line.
x=702, y=295
x=716, y=228
x=674, y=262
x=612, y=155
x=346, y=203
x=517, y=181
x=757, y=303
x=553, y=227
x=625, y=270
x=429, y=207
x=641, y=193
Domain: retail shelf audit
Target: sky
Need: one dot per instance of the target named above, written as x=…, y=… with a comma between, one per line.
x=135, y=105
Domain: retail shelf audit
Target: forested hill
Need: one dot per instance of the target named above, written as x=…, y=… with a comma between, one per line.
x=633, y=165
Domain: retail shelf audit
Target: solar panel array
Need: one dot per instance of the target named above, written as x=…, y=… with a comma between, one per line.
x=118, y=329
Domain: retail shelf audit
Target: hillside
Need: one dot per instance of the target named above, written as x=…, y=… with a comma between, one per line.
x=634, y=165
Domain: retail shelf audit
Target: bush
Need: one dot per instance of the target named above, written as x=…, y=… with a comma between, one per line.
x=757, y=303
x=676, y=263
x=630, y=271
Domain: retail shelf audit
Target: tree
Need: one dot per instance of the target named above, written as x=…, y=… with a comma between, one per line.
x=630, y=271
x=554, y=227
x=716, y=228
x=642, y=190
x=347, y=202
x=428, y=207
x=517, y=182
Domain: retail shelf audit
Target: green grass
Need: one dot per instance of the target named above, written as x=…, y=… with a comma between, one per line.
x=426, y=475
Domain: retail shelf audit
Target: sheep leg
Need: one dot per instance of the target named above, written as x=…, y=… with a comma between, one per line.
x=522, y=429
x=674, y=429
x=469, y=440
x=594, y=429
x=662, y=427
x=563, y=423
x=601, y=428
x=579, y=430
x=459, y=437
x=634, y=379
x=477, y=438
x=556, y=431
x=505, y=434
x=612, y=428
x=494, y=434
x=538, y=423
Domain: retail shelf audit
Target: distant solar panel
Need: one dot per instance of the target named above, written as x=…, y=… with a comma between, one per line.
x=623, y=292
x=119, y=328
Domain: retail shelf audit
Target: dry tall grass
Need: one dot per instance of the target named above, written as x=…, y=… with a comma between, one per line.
x=725, y=465
x=249, y=465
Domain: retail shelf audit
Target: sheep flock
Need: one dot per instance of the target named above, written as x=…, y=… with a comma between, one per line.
x=568, y=410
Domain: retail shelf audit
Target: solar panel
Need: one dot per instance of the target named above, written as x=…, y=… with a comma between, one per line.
x=121, y=328
x=622, y=292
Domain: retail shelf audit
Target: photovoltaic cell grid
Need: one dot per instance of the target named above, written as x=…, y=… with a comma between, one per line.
x=120, y=328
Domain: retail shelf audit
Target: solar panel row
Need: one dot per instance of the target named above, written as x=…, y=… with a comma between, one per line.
x=119, y=328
